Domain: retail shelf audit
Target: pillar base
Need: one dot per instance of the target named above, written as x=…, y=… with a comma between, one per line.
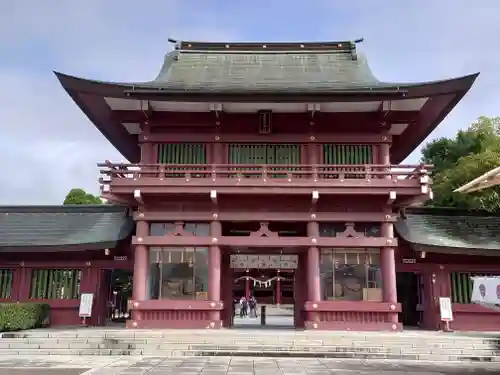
x=353, y=326
x=174, y=324
x=195, y=314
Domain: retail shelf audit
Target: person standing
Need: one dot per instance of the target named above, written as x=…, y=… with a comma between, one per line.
x=253, y=307
x=243, y=304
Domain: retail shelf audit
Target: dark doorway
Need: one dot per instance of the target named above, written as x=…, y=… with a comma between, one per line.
x=408, y=289
x=120, y=291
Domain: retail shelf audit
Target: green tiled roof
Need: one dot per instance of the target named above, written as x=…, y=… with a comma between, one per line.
x=314, y=67
x=450, y=228
x=98, y=226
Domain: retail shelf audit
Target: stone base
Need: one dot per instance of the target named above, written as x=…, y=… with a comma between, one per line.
x=174, y=324
x=353, y=326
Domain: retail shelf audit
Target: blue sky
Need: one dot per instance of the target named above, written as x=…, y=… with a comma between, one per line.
x=126, y=40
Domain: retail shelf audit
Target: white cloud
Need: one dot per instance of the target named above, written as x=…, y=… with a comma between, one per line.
x=43, y=131
x=48, y=146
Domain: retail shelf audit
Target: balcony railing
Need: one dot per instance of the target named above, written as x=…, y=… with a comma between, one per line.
x=277, y=175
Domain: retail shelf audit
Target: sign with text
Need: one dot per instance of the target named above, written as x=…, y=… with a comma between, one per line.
x=408, y=261
x=262, y=261
x=445, y=309
x=86, y=301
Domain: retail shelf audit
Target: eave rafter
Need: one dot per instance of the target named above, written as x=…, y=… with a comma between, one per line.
x=147, y=110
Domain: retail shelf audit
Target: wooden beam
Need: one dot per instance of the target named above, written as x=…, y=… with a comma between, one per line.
x=392, y=197
x=314, y=197
x=209, y=137
x=247, y=241
x=213, y=196
x=138, y=196
x=342, y=217
x=176, y=119
x=349, y=189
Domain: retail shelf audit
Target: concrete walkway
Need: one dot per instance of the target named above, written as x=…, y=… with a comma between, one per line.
x=62, y=365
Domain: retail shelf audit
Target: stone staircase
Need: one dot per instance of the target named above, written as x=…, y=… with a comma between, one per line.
x=433, y=346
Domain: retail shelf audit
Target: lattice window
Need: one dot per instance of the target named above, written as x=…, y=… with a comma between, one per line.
x=344, y=154
x=6, y=277
x=55, y=284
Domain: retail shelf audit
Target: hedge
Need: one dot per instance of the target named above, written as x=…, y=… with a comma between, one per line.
x=18, y=316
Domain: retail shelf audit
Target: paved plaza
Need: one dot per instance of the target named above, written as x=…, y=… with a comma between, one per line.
x=62, y=365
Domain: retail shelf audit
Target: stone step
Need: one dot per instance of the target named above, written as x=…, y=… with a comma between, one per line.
x=227, y=348
x=246, y=335
x=406, y=345
x=277, y=354
x=95, y=348
x=6, y=343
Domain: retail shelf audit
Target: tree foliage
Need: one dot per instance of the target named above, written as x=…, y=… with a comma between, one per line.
x=80, y=196
x=458, y=160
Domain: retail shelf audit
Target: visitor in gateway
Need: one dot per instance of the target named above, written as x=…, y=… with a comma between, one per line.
x=252, y=304
x=243, y=307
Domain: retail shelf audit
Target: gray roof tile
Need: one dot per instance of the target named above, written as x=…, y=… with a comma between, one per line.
x=315, y=68
x=451, y=228
x=35, y=226
x=197, y=71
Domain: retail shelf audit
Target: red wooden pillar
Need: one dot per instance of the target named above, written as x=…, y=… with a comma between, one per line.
x=299, y=292
x=313, y=278
x=313, y=275
x=22, y=283
x=148, y=150
x=247, y=285
x=214, y=269
x=278, y=289
x=387, y=254
x=388, y=268
x=141, y=265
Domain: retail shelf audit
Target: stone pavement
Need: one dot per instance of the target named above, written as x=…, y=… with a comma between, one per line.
x=79, y=365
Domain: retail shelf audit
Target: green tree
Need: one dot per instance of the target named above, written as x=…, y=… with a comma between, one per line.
x=80, y=196
x=458, y=160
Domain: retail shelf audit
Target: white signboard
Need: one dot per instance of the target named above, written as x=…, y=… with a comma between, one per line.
x=263, y=261
x=86, y=301
x=486, y=292
x=445, y=309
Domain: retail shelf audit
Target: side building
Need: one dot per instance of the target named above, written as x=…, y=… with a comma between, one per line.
x=277, y=157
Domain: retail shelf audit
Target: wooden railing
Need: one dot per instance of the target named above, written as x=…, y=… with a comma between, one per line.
x=214, y=172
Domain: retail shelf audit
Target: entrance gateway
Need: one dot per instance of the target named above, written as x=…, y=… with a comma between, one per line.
x=270, y=280
x=215, y=156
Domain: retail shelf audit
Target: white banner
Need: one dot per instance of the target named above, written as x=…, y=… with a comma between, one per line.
x=262, y=261
x=486, y=292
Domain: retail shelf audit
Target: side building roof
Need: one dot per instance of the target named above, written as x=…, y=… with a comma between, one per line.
x=69, y=227
x=215, y=73
x=449, y=230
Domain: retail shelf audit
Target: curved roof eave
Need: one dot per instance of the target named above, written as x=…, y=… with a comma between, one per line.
x=120, y=89
x=89, y=96
x=447, y=93
x=444, y=96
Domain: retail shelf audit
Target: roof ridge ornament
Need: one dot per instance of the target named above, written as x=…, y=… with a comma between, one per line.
x=354, y=53
x=261, y=47
x=177, y=43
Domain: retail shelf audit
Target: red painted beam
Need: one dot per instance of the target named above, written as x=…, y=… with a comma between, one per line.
x=249, y=191
x=167, y=216
x=247, y=241
x=207, y=119
x=197, y=137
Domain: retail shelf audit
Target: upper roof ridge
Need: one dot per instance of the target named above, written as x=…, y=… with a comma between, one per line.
x=334, y=46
